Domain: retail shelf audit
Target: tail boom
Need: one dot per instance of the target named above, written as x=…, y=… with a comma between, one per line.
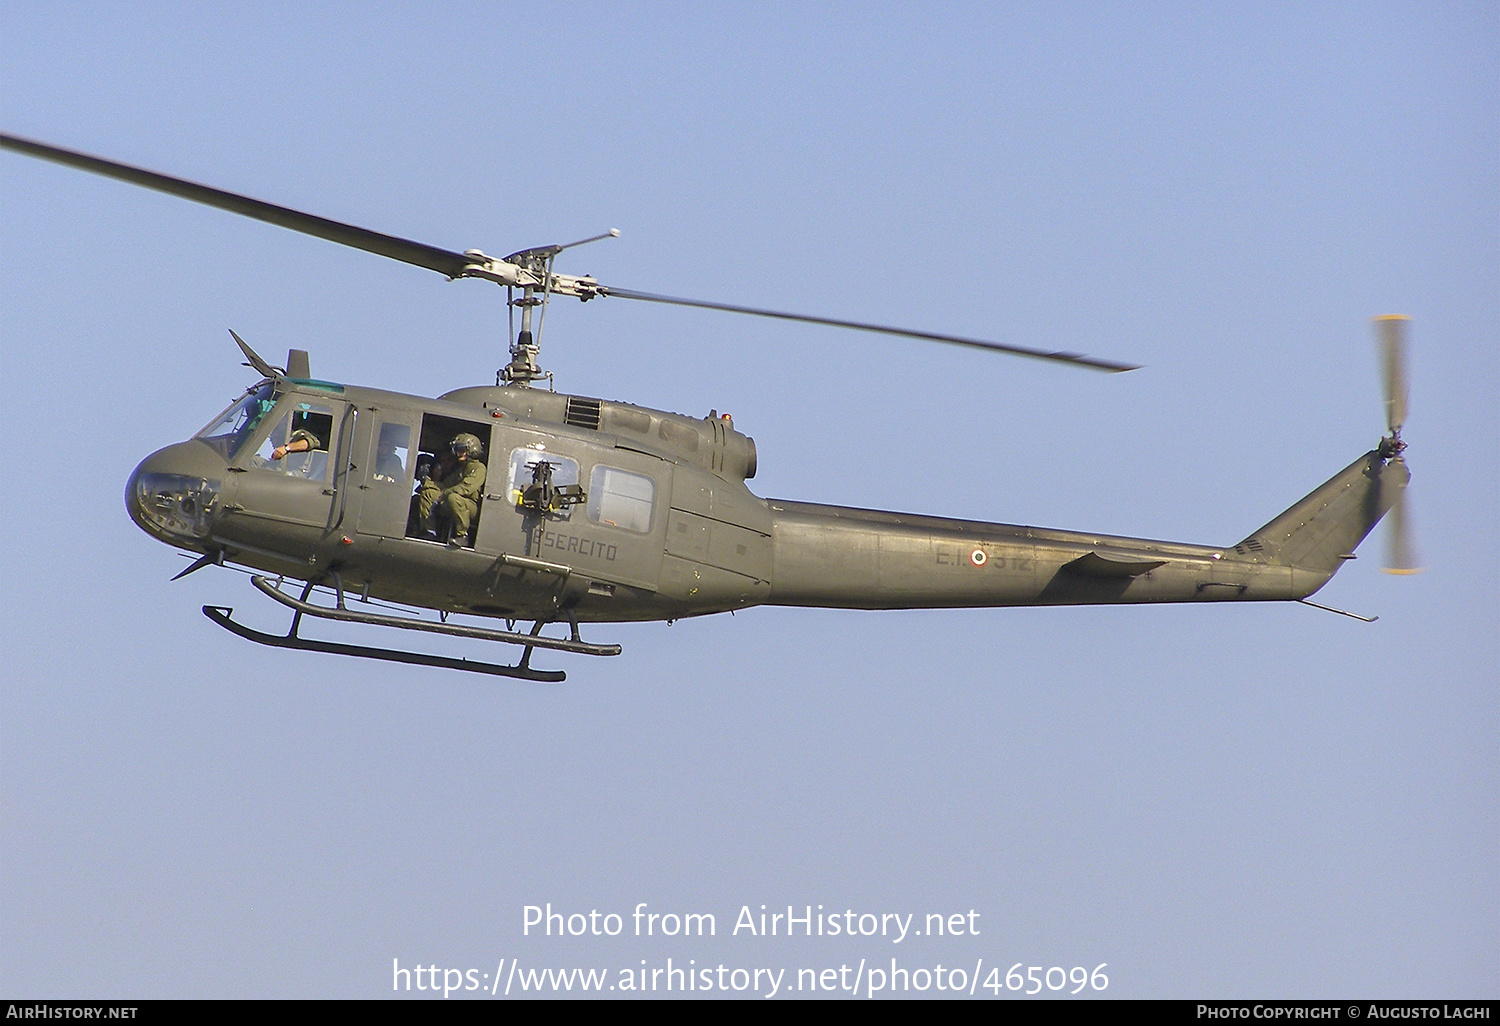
x=843, y=557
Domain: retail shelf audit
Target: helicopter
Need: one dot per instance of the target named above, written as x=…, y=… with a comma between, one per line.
x=519, y=503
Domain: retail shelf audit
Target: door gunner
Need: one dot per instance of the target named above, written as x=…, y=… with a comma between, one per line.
x=452, y=489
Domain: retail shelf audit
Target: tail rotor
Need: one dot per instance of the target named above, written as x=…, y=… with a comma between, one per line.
x=1391, y=331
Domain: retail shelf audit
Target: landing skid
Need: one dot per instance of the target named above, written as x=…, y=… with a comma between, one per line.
x=222, y=615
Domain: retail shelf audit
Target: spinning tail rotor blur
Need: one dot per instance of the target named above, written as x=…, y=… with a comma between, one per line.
x=1391, y=330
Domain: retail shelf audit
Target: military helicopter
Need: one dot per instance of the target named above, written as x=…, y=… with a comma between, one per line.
x=588, y=510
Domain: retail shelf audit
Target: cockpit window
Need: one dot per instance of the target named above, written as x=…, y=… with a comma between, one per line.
x=298, y=443
x=230, y=429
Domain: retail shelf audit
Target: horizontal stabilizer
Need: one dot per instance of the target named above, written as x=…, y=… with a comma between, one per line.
x=1092, y=564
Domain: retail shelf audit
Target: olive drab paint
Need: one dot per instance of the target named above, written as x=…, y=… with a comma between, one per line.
x=701, y=541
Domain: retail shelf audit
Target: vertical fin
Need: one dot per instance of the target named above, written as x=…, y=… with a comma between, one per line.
x=1321, y=531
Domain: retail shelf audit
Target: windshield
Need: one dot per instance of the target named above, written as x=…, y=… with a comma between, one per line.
x=228, y=431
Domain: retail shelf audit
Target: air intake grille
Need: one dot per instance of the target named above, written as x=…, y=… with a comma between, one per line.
x=584, y=413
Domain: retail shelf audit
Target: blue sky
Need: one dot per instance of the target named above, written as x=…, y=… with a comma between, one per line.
x=1251, y=800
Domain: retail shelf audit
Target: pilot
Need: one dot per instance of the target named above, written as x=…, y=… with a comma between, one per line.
x=301, y=441
x=452, y=489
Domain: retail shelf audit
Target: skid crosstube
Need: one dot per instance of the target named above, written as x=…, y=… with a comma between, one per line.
x=456, y=630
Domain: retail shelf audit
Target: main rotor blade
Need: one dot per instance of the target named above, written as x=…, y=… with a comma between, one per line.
x=956, y=340
x=440, y=260
x=1392, y=331
x=455, y=265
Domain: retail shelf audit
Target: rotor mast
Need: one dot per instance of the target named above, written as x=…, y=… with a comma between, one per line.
x=530, y=270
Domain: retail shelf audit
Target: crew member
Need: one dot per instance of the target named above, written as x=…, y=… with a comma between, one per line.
x=301, y=441
x=388, y=465
x=453, y=488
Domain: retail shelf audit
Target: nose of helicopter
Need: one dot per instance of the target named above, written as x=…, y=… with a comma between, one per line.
x=176, y=493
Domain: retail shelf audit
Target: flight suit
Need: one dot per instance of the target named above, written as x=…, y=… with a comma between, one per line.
x=455, y=496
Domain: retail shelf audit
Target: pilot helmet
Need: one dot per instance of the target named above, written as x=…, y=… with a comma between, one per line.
x=467, y=443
